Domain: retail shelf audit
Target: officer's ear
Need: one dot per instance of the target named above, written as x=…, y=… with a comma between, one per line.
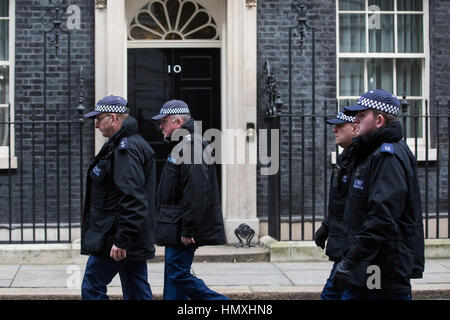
x=179, y=122
x=114, y=117
x=354, y=129
x=380, y=121
x=117, y=120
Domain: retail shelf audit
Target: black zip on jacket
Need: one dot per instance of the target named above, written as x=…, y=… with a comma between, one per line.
x=339, y=182
x=383, y=215
x=120, y=197
x=188, y=197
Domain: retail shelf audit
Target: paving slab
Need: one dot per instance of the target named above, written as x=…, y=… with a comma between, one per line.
x=247, y=279
x=255, y=268
x=294, y=266
x=444, y=262
x=8, y=272
x=51, y=267
x=5, y=283
x=307, y=277
x=435, y=267
x=41, y=279
x=306, y=288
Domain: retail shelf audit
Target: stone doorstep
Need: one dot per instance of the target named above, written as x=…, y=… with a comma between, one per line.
x=69, y=253
x=307, y=251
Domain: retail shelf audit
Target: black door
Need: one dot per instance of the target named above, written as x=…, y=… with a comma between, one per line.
x=158, y=75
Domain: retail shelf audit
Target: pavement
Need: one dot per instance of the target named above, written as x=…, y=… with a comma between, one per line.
x=238, y=280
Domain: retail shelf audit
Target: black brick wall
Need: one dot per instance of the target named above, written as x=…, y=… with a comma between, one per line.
x=37, y=170
x=274, y=22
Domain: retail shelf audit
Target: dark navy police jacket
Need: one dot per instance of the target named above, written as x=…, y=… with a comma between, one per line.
x=383, y=215
x=188, y=198
x=339, y=183
x=120, y=197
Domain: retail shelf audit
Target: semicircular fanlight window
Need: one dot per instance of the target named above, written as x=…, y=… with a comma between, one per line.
x=173, y=20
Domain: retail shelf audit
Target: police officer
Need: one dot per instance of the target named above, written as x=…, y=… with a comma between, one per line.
x=189, y=212
x=344, y=130
x=118, y=217
x=384, y=247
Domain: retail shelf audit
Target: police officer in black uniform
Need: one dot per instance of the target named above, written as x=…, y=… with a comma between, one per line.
x=332, y=227
x=118, y=218
x=189, y=212
x=384, y=247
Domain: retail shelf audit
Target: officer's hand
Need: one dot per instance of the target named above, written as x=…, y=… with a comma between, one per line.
x=321, y=236
x=187, y=241
x=342, y=273
x=118, y=254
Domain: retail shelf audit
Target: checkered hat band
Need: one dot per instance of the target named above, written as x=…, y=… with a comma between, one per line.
x=344, y=117
x=372, y=104
x=174, y=111
x=111, y=108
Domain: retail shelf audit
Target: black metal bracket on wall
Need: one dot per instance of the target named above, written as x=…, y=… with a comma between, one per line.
x=273, y=100
x=301, y=8
x=57, y=10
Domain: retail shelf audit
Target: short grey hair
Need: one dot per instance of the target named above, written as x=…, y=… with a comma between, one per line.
x=121, y=116
x=184, y=117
